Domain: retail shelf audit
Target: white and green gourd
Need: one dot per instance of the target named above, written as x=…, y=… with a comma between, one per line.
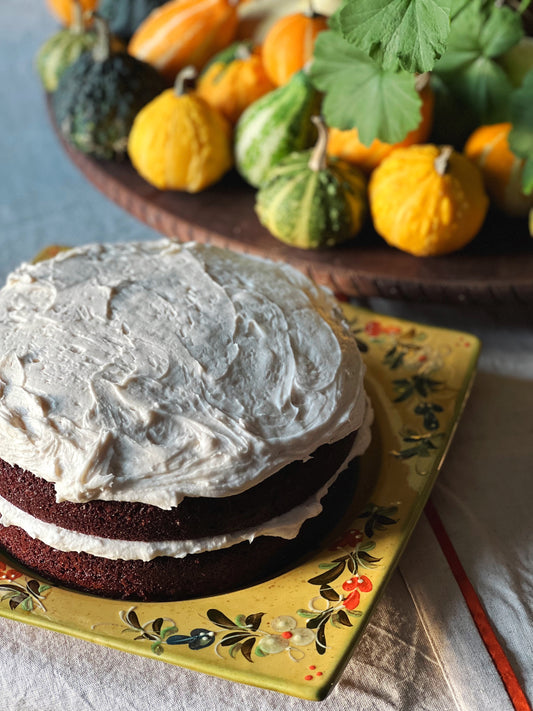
x=275, y=125
x=63, y=48
x=310, y=200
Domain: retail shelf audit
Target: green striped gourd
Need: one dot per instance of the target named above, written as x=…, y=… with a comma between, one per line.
x=310, y=200
x=274, y=126
x=63, y=49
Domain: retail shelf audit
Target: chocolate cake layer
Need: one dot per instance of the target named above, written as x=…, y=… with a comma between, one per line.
x=193, y=518
x=165, y=578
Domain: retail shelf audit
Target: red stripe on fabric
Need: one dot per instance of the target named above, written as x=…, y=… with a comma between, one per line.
x=494, y=648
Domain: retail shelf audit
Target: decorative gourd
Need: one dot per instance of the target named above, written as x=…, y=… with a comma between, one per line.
x=125, y=16
x=185, y=32
x=63, y=48
x=488, y=147
x=179, y=142
x=99, y=96
x=274, y=126
x=427, y=200
x=347, y=145
x=234, y=79
x=64, y=9
x=289, y=44
x=310, y=201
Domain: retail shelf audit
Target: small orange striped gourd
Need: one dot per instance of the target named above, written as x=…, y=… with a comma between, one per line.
x=289, y=44
x=185, y=32
x=488, y=147
x=64, y=9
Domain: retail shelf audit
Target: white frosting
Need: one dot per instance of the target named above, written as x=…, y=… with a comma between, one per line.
x=285, y=526
x=153, y=371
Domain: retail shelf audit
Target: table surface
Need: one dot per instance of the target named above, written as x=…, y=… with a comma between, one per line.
x=422, y=649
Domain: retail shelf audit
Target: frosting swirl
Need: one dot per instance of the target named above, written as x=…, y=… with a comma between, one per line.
x=153, y=371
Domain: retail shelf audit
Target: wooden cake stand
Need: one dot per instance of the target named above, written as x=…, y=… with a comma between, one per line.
x=497, y=267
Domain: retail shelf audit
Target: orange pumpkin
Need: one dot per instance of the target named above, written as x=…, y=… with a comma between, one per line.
x=185, y=32
x=289, y=44
x=233, y=80
x=346, y=144
x=488, y=147
x=63, y=9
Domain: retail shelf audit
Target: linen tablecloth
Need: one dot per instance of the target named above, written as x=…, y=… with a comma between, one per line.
x=421, y=649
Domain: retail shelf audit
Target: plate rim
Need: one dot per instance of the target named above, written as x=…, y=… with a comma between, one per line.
x=364, y=323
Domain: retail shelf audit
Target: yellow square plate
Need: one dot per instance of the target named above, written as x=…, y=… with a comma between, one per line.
x=295, y=633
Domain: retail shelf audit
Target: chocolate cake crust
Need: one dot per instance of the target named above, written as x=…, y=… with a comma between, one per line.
x=165, y=578
x=193, y=518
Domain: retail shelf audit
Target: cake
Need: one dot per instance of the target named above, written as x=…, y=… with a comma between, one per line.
x=173, y=418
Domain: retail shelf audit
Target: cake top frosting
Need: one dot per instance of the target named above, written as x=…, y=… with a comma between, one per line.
x=153, y=371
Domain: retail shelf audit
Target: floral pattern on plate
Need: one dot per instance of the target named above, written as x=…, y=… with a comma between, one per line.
x=418, y=378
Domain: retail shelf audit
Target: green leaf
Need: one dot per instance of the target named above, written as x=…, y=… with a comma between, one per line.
x=27, y=604
x=246, y=649
x=233, y=638
x=360, y=94
x=480, y=33
x=521, y=135
x=254, y=620
x=167, y=631
x=527, y=178
x=404, y=35
x=220, y=619
x=328, y=593
x=329, y=576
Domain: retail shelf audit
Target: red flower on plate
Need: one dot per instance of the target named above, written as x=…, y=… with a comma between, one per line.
x=8, y=573
x=355, y=586
x=349, y=539
x=376, y=328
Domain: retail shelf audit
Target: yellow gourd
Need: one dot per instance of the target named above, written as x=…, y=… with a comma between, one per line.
x=488, y=147
x=185, y=32
x=179, y=142
x=427, y=200
x=234, y=79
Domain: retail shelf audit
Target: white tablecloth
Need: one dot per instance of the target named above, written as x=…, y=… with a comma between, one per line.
x=421, y=649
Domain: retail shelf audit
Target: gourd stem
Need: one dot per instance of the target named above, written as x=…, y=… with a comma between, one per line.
x=77, y=25
x=310, y=10
x=243, y=51
x=102, y=47
x=421, y=81
x=442, y=161
x=318, y=160
x=184, y=80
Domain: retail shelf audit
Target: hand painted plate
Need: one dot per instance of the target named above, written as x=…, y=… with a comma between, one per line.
x=296, y=632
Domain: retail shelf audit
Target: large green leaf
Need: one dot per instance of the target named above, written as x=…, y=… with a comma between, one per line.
x=521, y=136
x=399, y=34
x=481, y=32
x=360, y=94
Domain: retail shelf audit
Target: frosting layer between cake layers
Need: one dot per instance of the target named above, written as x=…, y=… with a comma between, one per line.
x=153, y=371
